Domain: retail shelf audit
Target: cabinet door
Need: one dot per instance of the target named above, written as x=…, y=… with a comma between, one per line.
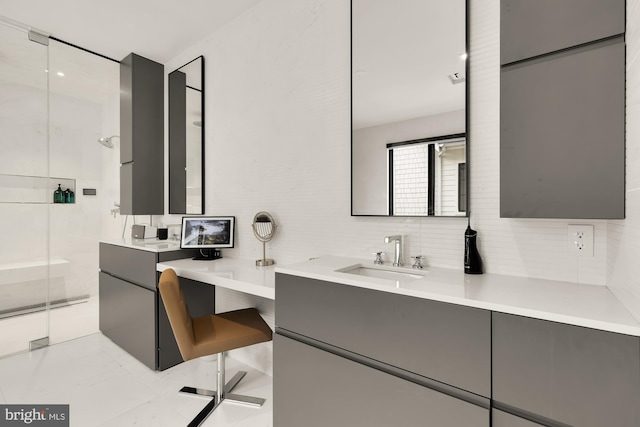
x=533, y=27
x=573, y=375
x=142, y=136
x=445, y=342
x=127, y=317
x=562, y=124
x=130, y=264
x=314, y=388
x=504, y=419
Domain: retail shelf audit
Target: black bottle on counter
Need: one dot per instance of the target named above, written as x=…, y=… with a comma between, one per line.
x=472, y=259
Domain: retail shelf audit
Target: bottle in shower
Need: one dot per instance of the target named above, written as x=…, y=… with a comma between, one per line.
x=58, y=195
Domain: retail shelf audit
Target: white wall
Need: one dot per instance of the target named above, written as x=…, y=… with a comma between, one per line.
x=278, y=139
x=623, y=243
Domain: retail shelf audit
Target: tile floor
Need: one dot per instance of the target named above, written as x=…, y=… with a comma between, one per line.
x=105, y=386
x=65, y=323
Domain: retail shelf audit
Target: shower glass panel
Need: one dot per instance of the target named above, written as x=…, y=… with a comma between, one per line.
x=25, y=191
x=84, y=98
x=56, y=102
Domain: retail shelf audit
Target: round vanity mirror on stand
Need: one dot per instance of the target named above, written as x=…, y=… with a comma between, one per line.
x=264, y=227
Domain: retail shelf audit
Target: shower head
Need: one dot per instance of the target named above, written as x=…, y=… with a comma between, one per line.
x=107, y=141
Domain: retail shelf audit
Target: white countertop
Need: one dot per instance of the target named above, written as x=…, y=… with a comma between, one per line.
x=151, y=245
x=571, y=303
x=239, y=274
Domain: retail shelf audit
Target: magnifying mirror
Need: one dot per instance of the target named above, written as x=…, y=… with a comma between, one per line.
x=264, y=227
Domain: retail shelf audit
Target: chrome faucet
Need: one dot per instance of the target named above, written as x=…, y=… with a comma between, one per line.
x=397, y=239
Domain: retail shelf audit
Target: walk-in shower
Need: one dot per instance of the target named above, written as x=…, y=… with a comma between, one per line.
x=107, y=142
x=60, y=98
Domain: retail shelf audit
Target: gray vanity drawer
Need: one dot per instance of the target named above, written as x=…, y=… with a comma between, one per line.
x=570, y=374
x=444, y=342
x=504, y=419
x=127, y=317
x=315, y=388
x=133, y=265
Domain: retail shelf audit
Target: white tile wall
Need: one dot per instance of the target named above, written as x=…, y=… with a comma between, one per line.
x=278, y=135
x=623, y=239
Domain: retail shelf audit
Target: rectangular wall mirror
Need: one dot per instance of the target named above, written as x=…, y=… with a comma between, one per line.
x=409, y=72
x=186, y=138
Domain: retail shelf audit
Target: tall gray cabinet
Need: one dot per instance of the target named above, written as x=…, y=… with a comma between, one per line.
x=141, y=136
x=562, y=109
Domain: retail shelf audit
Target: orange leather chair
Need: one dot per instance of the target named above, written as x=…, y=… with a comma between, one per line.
x=211, y=334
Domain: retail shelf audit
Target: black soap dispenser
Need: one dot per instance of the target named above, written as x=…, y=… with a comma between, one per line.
x=472, y=260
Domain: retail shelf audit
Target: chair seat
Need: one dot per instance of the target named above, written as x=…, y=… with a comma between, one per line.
x=217, y=333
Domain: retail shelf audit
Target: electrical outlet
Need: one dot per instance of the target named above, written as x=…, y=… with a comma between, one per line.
x=580, y=240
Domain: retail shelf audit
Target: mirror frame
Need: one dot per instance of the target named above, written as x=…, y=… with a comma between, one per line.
x=178, y=149
x=466, y=121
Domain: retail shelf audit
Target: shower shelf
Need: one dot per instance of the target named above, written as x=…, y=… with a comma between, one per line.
x=23, y=189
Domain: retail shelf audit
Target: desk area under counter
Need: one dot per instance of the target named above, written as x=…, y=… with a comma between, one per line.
x=238, y=274
x=486, y=350
x=132, y=314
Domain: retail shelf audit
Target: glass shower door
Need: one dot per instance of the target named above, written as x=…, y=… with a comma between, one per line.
x=26, y=192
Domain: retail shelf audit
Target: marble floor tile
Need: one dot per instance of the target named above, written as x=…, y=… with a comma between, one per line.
x=105, y=386
x=61, y=324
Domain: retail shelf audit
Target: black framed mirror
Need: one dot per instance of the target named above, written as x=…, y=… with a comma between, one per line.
x=409, y=113
x=186, y=138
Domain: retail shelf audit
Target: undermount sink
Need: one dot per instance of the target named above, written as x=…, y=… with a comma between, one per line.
x=382, y=272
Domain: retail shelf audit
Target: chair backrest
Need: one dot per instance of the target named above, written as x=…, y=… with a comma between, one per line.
x=178, y=313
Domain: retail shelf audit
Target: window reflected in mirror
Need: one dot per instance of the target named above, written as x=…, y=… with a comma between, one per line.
x=426, y=176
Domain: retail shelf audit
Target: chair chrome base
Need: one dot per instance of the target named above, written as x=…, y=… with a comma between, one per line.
x=226, y=395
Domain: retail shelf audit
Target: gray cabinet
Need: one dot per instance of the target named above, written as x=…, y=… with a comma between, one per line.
x=360, y=357
x=534, y=27
x=141, y=136
x=572, y=375
x=562, y=135
x=314, y=388
x=127, y=317
x=132, y=314
x=445, y=342
x=562, y=109
x=505, y=419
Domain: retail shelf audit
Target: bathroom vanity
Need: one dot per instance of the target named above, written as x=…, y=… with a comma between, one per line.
x=448, y=349
x=132, y=314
